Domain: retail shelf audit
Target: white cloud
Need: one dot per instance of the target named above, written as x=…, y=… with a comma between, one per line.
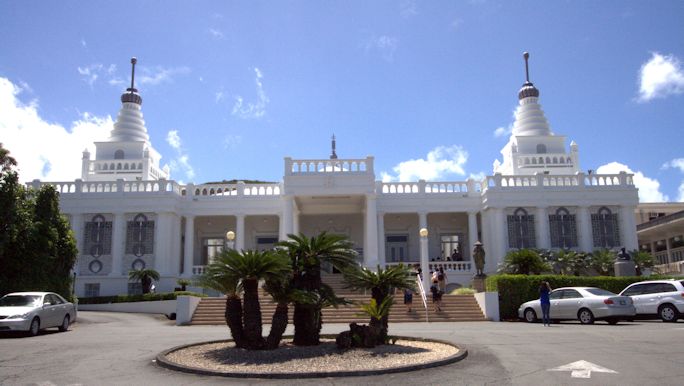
x=56, y=156
x=649, y=188
x=660, y=77
x=252, y=110
x=218, y=96
x=156, y=75
x=439, y=163
x=90, y=73
x=677, y=163
x=232, y=141
x=385, y=45
x=83, y=43
x=408, y=9
x=503, y=131
x=181, y=163
x=216, y=33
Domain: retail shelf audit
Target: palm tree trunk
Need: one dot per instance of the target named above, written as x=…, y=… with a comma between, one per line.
x=278, y=326
x=383, y=324
x=307, y=322
x=252, y=315
x=234, y=320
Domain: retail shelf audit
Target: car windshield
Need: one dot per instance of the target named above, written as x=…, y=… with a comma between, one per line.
x=19, y=300
x=600, y=292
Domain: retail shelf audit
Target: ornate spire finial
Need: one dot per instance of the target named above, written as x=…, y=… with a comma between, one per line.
x=133, y=62
x=333, y=155
x=131, y=95
x=528, y=89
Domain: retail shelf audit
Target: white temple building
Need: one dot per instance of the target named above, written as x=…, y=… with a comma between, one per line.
x=127, y=213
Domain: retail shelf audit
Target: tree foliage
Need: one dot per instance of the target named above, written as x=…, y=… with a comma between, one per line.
x=145, y=277
x=37, y=246
x=524, y=261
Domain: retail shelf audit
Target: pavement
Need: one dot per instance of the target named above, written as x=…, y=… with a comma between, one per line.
x=119, y=349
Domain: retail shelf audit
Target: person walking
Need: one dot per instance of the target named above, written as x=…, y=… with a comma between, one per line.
x=408, y=299
x=442, y=279
x=544, y=290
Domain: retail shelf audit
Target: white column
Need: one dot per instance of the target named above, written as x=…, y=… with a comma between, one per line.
x=628, y=228
x=286, y=218
x=189, y=250
x=500, y=247
x=370, y=249
x=586, y=241
x=118, y=240
x=76, y=221
x=668, y=245
x=163, y=243
x=175, y=242
x=543, y=234
x=239, y=232
x=381, y=239
x=295, y=221
x=472, y=235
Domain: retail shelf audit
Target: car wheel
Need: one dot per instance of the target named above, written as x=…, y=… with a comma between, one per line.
x=668, y=313
x=530, y=315
x=65, y=323
x=585, y=316
x=35, y=327
x=612, y=321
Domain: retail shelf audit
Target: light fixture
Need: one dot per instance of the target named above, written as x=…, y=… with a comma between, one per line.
x=230, y=235
x=423, y=232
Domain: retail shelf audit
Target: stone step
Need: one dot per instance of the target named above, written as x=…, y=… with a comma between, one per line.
x=455, y=308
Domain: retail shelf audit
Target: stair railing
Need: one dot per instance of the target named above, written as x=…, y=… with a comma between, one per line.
x=423, y=296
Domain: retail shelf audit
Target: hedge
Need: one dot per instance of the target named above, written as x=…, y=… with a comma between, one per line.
x=515, y=290
x=137, y=298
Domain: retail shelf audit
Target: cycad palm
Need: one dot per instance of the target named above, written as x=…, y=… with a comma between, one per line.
x=307, y=255
x=381, y=285
x=246, y=268
x=145, y=277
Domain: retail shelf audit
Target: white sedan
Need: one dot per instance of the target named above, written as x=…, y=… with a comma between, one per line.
x=34, y=311
x=585, y=304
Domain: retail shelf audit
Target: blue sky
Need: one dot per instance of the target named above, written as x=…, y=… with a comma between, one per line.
x=428, y=88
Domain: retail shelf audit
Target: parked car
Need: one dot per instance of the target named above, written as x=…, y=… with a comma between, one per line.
x=585, y=304
x=653, y=299
x=34, y=311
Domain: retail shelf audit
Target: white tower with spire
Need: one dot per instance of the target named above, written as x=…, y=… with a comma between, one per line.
x=128, y=153
x=532, y=147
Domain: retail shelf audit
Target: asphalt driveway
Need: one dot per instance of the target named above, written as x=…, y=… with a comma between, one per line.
x=119, y=349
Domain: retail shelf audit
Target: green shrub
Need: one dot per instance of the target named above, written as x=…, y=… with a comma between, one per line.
x=515, y=290
x=137, y=298
x=524, y=261
x=463, y=291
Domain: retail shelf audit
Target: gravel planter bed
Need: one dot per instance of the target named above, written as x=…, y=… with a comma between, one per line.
x=289, y=361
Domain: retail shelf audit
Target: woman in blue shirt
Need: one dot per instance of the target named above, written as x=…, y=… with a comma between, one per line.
x=544, y=290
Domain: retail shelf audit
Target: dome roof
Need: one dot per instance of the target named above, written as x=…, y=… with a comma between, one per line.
x=528, y=90
x=129, y=125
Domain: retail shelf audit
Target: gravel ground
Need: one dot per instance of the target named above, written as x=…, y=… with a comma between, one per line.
x=224, y=357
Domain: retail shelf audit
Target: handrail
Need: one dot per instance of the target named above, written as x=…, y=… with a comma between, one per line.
x=423, y=296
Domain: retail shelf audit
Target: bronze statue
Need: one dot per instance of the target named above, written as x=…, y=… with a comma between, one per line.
x=623, y=255
x=479, y=257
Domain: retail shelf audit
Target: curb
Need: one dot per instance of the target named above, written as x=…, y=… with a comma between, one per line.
x=163, y=362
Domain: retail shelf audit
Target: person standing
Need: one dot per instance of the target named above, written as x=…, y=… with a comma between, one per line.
x=544, y=290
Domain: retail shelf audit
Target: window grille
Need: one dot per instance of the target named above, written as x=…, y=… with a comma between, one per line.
x=563, y=229
x=605, y=229
x=521, y=230
x=98, y=237
x=140, y=236
x=92, y=290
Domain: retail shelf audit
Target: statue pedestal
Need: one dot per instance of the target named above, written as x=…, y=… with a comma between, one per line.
x=478, y=283
x=624, y=268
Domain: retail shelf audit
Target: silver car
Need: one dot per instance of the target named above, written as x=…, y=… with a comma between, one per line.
x=34, y=311
x=662, y=299
x=585, y=304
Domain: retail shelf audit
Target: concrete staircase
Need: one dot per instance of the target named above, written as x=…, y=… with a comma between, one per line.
x=455, y=308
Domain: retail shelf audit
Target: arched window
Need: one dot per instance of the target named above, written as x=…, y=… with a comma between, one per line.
x=98, y=236
x=563, y=229
x=521, y=230
x=140, y=236
x=541, y=148
x=605, y=228
x=119, y=154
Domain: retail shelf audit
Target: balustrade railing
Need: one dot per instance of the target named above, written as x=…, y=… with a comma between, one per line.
x=326, y=166
x=540, y=180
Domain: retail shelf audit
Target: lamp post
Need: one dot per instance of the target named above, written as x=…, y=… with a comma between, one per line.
x=230, y=240
x=424, y=257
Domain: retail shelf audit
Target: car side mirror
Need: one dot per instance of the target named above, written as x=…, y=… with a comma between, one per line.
x=47, y=304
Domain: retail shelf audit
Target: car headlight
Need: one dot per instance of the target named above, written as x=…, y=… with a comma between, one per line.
x=19, y=316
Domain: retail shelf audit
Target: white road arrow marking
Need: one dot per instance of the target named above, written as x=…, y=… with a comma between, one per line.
x=583, y=369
